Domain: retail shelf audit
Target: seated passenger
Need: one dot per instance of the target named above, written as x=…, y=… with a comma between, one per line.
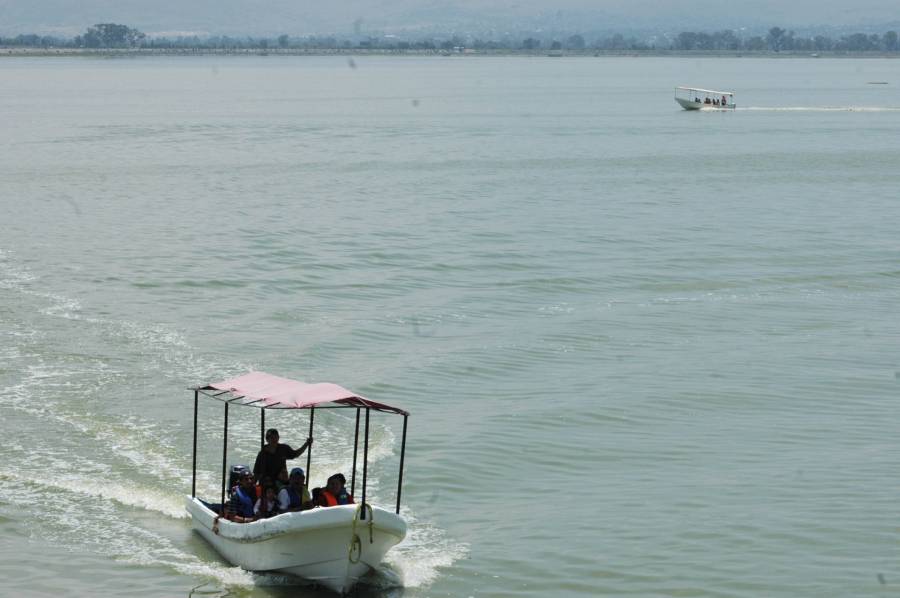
x=335, y=493
x=707, y=101
x=282, y=480
x=262, y=484
x=295, y=497
x=317, y=499
x=267, y=505
x=242, y=499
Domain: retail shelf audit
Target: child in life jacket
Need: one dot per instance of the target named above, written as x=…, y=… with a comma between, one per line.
x=267, y=504
x=335, y=493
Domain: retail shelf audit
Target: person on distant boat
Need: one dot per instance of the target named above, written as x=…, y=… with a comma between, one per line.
x=697, y=100
x=295, y=497
x=242, y=498
x=272, y=458
x=707, y=101
x=724, y=101
x=267, y=505
x=335, y=493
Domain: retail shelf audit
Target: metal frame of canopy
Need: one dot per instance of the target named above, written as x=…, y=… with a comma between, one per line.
x=225, y=393
x=705, y=91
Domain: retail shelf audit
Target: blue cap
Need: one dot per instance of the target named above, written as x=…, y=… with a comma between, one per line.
x=297, y=470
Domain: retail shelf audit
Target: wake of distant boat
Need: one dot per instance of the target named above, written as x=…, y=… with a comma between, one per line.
x=822, y=108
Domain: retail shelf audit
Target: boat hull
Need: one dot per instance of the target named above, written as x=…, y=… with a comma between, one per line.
x=692, y=105
x=689, y=104
x=330, y=546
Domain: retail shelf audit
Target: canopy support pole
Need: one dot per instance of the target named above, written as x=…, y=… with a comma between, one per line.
x=312, y=414
x=355, y=450
x=224, y=456
x=365, y=465
x=262, y=428
x=194, y=467
x=402, y=455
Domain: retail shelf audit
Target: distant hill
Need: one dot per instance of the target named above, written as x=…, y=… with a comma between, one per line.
x=349, y=17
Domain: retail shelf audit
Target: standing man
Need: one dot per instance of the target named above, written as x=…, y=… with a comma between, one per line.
x=273, y=457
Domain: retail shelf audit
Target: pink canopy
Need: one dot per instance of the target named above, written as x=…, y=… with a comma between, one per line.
x=268, y=391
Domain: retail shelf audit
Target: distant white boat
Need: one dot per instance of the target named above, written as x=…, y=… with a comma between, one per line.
x=694, y=98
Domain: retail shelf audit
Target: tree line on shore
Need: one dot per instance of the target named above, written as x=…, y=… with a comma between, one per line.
x=777, y=39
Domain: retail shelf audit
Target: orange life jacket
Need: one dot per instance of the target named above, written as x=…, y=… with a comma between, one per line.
x=332, y=500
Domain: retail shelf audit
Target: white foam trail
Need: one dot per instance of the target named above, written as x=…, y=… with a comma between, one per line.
x=80, y=522
x=125, y=493
x=164, y=349
x=139, y=442
x=86, y=508
x=425, y=551
x=12, y=276
x=80, y=512
x=820, y=108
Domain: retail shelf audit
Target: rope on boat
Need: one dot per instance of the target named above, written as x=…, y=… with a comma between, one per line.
x=356, y=543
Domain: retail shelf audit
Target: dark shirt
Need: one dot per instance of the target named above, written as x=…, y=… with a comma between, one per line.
x=269, y=464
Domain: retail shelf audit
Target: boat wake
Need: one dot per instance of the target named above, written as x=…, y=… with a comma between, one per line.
x=125, y=502
x=820, y=108
x=426, y=549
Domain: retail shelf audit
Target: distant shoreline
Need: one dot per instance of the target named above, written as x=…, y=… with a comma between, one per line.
x=349, y=52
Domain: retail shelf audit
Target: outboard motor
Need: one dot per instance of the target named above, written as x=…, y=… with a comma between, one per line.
x=234, y=476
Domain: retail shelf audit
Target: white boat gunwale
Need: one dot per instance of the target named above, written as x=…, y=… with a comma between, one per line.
x=321, y=518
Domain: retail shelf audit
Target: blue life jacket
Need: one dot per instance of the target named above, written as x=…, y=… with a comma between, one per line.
x=244, y=503
x=295, y=498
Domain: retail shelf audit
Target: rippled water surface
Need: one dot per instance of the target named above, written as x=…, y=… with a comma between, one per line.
x=646, y=352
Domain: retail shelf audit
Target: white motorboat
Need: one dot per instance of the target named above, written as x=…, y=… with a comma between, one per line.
x=694, y=98
x=331, y=546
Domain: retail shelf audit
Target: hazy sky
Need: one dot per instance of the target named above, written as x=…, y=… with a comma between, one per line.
x=302, y=17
